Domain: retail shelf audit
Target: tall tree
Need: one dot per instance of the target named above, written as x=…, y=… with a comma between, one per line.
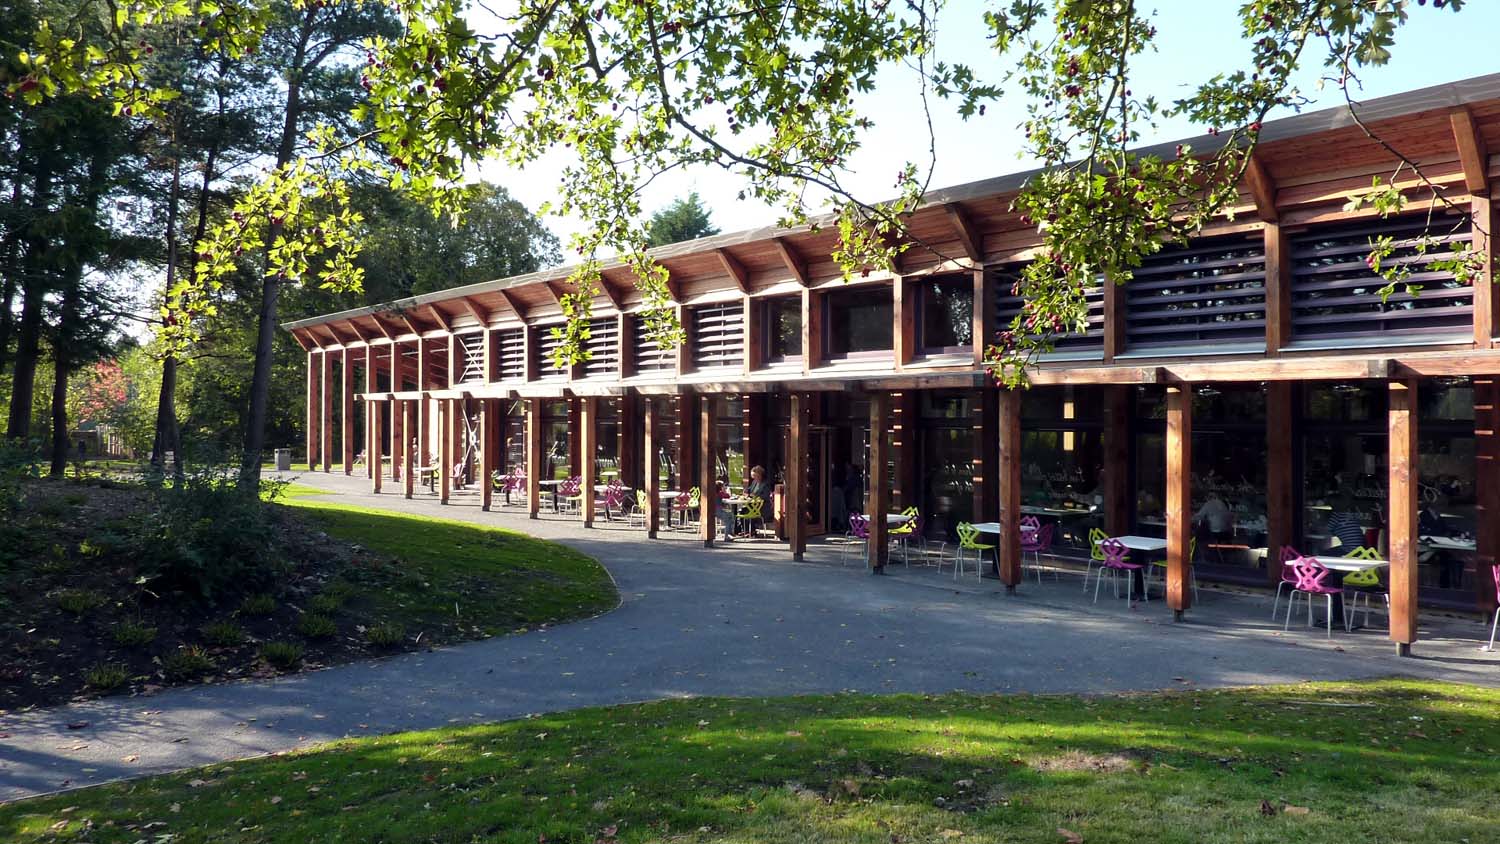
x=684, y=219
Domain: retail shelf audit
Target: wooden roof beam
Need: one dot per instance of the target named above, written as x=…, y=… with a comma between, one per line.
x=337, y=340
x=475, y=310
x=1472, y=152
x=441, y=318
x=358, y=332
x=1262, y=190
x=383, y=328
x=734, y=268
x=511, y=302
x=302, y=340
x=410, y=326
x=614, y=296
x=970, y=237
x=793, y=260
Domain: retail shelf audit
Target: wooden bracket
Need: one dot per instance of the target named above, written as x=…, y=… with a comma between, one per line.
x=476, y=311
x=510, y=302
x=441, y=318
x=969, y=236
x=1472, y=152
x=794, y=261
x=1262, y=190
x=734, y=268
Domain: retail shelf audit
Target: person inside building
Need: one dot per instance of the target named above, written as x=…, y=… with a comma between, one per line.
x=726, y=510
x=759, y=487
x=1347, y=524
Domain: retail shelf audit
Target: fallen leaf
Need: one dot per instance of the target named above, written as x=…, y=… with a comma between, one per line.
x=1266, y=808
x=1295, y=810
x=950, y=833
x=175, y=808
x=276, y=799
x=131, y=758
x=1070, y=836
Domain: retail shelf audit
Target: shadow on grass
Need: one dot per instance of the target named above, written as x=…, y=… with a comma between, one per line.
x=1380, y=761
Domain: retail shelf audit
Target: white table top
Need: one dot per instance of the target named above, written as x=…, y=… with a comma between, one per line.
x=1034, y=510
x=1447, y=543
x=668, y=494
x=1142, y=543
x=893, y=519
x=994, y=527
x=548, y=483
x=1347, y=564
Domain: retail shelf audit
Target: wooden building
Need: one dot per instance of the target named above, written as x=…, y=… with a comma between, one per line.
x=1257, y=369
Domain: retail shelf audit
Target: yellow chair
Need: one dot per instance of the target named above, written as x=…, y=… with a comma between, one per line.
x=751, y=512
x=906, y=531
x=1096, y=554
x=1357, y=583
x=1160, y=567
x=968, y=536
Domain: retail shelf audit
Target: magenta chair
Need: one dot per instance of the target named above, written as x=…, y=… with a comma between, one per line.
x=1117, y=563
x=1036, y=543
x=1312, y=579
x=858, y=535
x=1289, y=556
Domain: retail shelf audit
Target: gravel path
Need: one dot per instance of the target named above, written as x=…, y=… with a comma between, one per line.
x=740, y=619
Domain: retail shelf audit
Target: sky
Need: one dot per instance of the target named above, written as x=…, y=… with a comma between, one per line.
x=1195, y=39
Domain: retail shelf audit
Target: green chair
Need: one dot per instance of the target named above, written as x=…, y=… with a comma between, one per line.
x=1160, y=568
x=752, y=512
x=1363, y=583
x=638, y=512
x=968, y=539
x=1096, y=554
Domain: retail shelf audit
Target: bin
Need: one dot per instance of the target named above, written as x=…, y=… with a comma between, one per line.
x=283, y=460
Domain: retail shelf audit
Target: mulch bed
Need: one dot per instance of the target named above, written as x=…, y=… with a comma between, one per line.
x=47, y=649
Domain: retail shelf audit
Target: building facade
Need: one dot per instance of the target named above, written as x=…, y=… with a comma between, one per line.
x=1246, y=392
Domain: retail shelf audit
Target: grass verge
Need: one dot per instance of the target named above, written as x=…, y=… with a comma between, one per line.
x=1383, y=761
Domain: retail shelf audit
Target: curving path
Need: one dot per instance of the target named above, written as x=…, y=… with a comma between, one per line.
x=737, y=620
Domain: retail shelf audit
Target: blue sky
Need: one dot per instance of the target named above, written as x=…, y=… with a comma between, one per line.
x=1196, y=38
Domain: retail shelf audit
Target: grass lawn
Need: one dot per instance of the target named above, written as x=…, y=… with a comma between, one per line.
x=456, y=579
x=1385, y=761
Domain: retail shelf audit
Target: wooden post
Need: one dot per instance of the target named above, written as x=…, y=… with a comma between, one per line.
x=400, y=425
x=408, y=445
x=796, y=477
x=986, y=457
x=1486, y=297
x=1278, y=295
x=708, y=498
x=424, y=410
x=575, y=451
x=685, y=348
x=1280, y=517
x=812, y=331
x=754, y=338
x=903, y=317
x=325, y=422
x=445, y=448
x=627, y=448
x=651, y=481
x=1114, y=320
x=378, y=477
x=488, y=437
x=313, y=365
x=346, y=409
x=588, y=437
x=880, y=494
x=372, y=457
x=985, y=329
x=1008, y=549
x=1179, y=496
x=1117, y=430
x=533, y=457
x=1487, y=488
x=1402, y=517
x=754, y=432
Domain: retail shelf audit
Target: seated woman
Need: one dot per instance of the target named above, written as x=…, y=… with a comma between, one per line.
x=759, y=487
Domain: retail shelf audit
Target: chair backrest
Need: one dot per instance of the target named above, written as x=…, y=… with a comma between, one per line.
x=967, y=533
x=753, y=507
x=859, y=526
x=1310, y=574
x=1116, y=555
x=1363, y=553
x=694, y=497
x=1289, y=558
x=569, y=486
x=1363, y=577
x=1042, y=537
x=640, y=499
x=1031, y=521
x=1097, y=536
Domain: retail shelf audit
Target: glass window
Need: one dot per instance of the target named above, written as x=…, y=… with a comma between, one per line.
x=859, y=321
x=1051, y=405
x=1062, y=483
x=945, y=308
x=783, y=321
x=947, y=481
x=1346, y=401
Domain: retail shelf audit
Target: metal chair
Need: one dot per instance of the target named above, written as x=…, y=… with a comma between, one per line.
x=858, y=534
x=1362, y=584
x=968, y=537
x=1311, y=581
x=1117, y=563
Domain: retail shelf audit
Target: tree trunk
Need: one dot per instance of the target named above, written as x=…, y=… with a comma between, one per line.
x=166, y=436
x=265, y=339
x=33, y=291
x=62, y=359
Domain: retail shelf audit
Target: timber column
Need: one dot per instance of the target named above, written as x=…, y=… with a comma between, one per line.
x=533, y=457
x=652, y=479
x=489, y=439
x=407, y=445
x=1008, y=544
x=708, y=496
x=400, y=425
x=1402, y=518
x=375, y=412
x=312, y=408
x=325, y=423
x=588, y=436
x=1280, y=515
x=346, y=409
x=880, y=495
x=796, y=477
x=445, y=448
x=372, y=456
x=1179, y=497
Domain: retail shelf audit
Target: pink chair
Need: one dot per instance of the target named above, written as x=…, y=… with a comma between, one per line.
x=1117, y=563
x=1312, y=579
x=1031, y=522
x=1495, y=570
x=1036, y=543
x=1289, y=555
x=858, y=535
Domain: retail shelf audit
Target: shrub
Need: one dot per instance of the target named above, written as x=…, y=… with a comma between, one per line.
x=224, y=634
x=332, y=597
x=259, y=604
x=386, y=634
x=204, y=534
x=134, y=634
x=282, y=655
x=187, y=662
x=316, y=626
x=77, y=601
x=105, y=676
